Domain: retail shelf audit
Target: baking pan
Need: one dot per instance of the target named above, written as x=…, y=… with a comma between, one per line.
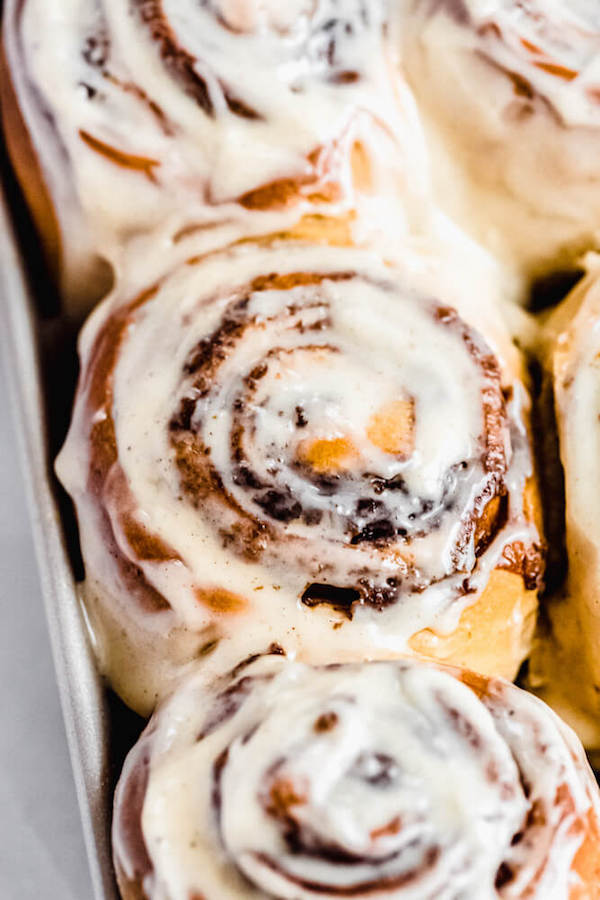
x=39, y=347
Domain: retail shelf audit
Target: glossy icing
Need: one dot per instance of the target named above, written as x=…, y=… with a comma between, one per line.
x=297, y=444
x=393, y=779
x=234, y=118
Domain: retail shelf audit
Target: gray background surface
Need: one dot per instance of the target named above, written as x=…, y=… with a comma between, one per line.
x=42, y=856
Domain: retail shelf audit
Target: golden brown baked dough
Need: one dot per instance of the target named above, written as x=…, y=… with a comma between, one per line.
x=566, y=665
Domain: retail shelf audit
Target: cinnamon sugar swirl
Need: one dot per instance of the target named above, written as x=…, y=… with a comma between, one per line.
x=390, y=779
x=511, y=93
x=235, y=118
x=298, y=444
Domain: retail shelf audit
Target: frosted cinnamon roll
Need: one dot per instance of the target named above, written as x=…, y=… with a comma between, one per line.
x=294, y=443
x=511, y=92
x=234, y=116
x=566, y=666
x=387, y=779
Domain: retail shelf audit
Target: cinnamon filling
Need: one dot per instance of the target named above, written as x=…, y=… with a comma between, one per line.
x=261, y=501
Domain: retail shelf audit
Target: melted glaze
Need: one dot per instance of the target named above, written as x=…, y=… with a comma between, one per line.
x=523, y=80
x=234, y=119
x=324, y=456
x=390, y=779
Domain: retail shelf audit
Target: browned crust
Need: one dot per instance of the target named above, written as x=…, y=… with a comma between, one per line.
x=493, y=635
x=286, y=192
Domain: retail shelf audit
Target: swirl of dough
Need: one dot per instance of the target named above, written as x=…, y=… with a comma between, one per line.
x=290, y=443
x=393, y=779
x=529, y=132
x=236, y=117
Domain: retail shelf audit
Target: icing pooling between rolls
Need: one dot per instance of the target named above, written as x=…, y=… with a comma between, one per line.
x=392, y=778
x=232, y=116
x=252, y=514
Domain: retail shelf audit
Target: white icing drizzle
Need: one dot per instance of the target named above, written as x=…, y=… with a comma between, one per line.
x=511, y=95
x=288, y=781
x=329, y=361
x=206, y=102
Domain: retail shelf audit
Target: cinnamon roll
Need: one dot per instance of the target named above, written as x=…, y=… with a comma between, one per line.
x=387, y=779
x=296, y=444
x=511, y=94
x=236, y=117
x=565, y=669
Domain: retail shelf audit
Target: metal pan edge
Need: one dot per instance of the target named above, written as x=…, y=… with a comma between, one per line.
x=82, y=693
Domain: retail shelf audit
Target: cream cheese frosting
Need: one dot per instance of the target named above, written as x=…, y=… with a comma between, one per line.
x=298, y=444
x=236, y=118
x=394, y=779
x=511, y=96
